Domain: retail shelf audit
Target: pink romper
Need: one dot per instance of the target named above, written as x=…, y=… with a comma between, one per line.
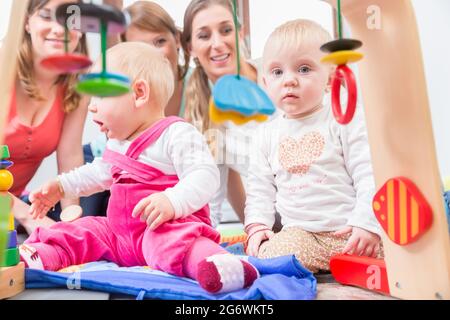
x=119, y=238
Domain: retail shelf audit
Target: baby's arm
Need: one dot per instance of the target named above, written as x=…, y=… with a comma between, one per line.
x=196, y=169
x=261, y=194
x=86, y=180
x=83, y=181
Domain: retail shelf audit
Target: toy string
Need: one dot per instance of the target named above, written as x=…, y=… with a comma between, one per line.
x=66, y=38
x=103, y=32
x=237, y=39
x=339, y=18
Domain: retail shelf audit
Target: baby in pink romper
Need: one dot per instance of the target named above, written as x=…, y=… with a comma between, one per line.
x=161, y=176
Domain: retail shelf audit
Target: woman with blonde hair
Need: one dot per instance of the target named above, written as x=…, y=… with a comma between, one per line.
x=209, y=37
x=46, y=114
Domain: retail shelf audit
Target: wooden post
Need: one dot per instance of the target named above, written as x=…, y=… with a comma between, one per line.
x=401, y=137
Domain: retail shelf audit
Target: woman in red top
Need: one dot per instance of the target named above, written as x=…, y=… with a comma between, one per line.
x=46, y=113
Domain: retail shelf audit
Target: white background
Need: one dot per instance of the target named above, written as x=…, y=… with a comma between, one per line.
x=434, y=26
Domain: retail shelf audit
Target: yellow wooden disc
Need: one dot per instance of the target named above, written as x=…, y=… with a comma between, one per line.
x=218, y=116
x=342, y=57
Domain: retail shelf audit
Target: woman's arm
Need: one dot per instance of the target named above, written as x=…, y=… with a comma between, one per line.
x=236, y=193
x=69, y=154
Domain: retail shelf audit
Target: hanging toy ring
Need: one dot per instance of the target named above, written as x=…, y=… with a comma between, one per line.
x=343, y=72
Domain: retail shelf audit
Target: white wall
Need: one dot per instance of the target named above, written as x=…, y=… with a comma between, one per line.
x=432, y=17
x=266, y=15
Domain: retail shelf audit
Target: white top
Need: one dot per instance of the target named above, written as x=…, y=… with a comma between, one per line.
x=316, y=173
x=181, y=150
x=233, y=149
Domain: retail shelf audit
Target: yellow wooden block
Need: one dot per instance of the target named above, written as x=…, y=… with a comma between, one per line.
x=342, y=57
x=11, y=226
x=218, y=116
x=12, y=280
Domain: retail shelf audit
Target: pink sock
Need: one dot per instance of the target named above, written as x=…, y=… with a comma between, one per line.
x=216, y=270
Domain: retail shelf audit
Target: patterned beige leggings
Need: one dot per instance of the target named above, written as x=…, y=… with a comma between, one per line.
x=313, y=250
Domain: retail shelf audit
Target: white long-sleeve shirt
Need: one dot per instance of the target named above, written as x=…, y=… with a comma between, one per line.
x=316, y=173
x=233, y=149
x=181, y=150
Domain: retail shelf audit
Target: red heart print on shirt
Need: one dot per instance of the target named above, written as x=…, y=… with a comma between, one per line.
x=297, y=155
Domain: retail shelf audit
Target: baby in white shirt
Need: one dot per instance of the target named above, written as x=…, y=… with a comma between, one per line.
x=314, y=172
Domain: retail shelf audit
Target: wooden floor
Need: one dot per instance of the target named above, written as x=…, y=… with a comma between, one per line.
x=328, y=289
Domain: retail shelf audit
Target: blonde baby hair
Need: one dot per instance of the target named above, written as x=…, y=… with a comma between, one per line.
x=294, y=34
x=138, y=60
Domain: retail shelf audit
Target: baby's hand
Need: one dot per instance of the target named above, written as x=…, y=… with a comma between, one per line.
x=256, y=235
x=361, y=242
x=155, y=209
x=45, y=198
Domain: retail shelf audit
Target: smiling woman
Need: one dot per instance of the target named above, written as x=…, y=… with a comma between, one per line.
x=209, y=37
x=46, y=114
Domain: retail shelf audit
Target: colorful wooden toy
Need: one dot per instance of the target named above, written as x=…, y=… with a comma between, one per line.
x=9, y=252
x=12, y=239
x=363, y=272
x=5, y=208
x=395, y=106
x=11, y=257
x=66, y=62
x=218, y=116
x=402, y=211
x=236, y=98
x=106, y=20
x=341, y=52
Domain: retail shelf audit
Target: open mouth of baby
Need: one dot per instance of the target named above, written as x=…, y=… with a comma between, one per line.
x=101, y=125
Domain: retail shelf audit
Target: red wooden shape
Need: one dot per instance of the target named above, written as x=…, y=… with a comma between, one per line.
x=343, y=73
x=402, y=211
x=67, y=63
x=363, y=272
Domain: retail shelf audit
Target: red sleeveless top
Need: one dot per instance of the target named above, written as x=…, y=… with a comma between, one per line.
x=28, y=146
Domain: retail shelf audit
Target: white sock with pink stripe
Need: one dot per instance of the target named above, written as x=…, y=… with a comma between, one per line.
x=222, y=273
x=30, y=256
